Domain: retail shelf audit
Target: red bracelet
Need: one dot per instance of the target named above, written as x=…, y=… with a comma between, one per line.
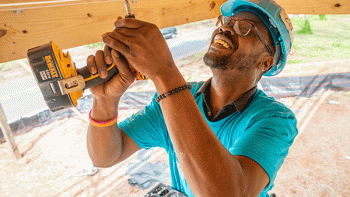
x=102, y=124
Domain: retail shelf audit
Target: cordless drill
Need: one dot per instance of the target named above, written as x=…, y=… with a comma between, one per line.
x=60, y=82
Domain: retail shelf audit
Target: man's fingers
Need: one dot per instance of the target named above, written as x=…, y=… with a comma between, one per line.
x=107, y=54
x=120, y=61
x=125, y=73
x=91, y=64
x=129, y=23
x=101, y=64
x=115, y=41
x=128, y=33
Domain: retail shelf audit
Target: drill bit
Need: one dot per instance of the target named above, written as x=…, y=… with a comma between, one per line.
x=128, y=10
x=139, y=76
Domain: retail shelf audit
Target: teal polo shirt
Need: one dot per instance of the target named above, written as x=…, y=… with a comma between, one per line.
x=263, y=131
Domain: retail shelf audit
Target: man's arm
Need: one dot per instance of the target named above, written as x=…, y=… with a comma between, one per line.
x=207, y=165
x=108, y=145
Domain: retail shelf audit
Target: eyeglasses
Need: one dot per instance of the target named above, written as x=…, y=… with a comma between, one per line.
x=241, y=28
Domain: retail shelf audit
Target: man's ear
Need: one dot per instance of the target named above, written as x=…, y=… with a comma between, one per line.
x=266, y=62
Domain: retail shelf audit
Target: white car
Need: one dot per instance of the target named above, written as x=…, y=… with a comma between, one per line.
x=169, y=32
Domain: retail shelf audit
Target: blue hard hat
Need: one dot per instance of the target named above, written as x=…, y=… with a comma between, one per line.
x=275, y=19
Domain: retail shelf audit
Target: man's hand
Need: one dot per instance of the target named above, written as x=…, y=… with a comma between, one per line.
x=115, y=87
x=108, y=145
x=143, y=45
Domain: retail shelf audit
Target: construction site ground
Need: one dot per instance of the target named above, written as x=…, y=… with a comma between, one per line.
x=318, y=163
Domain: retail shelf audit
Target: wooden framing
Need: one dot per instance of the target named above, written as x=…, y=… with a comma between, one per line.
x=71, y=23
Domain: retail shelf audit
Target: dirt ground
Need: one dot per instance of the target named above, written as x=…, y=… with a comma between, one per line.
x=318, y=163
x=55, y=157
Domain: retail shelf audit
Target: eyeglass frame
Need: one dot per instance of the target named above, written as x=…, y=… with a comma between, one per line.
x=253, y=25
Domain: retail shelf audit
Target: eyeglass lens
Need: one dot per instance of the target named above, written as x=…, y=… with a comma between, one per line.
x=241, y=27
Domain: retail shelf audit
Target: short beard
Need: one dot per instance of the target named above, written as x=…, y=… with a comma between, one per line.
x=216, y=62
x=241, y=62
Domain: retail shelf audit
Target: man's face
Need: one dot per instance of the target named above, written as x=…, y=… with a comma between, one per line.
x=229, y=50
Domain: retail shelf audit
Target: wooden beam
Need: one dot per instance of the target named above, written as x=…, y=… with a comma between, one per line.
x=80, y=24
x=30, y=4
x=71, y=23
x=319, y=7
x=6, y=130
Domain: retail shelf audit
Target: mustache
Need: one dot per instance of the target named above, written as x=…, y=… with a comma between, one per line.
x=213, y=37
x=227, y=35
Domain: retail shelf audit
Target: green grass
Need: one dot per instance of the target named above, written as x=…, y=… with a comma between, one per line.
x=322, y=17
x=295, y=61
x=328, y=38
x=97, y=45
x=306, y=28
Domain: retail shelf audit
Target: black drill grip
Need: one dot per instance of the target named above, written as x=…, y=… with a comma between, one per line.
x=92, y=80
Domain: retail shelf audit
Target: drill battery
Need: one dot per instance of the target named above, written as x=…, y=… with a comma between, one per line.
x=56, y=76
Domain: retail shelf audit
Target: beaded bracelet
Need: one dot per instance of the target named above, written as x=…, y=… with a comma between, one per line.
x=103, y=124
x=160, y=97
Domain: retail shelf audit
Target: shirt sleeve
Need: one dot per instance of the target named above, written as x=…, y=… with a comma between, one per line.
x=146, y=127
x=267, y=140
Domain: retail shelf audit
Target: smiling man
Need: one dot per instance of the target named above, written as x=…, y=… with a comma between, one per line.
x=224, y=137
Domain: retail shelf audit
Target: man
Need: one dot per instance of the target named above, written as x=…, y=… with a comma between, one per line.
x=224, y=137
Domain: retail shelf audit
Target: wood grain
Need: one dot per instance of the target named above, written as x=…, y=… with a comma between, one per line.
x=76, y=25
x=80, y=22
x=30, y=4
x=319, y=7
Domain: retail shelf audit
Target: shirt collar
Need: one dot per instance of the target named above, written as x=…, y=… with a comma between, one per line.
x=203, y=87
x=241, y=103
